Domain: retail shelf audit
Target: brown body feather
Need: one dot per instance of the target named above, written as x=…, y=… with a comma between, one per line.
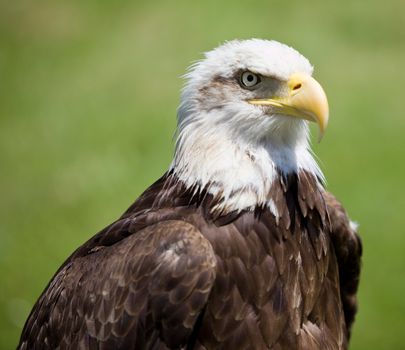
x=171, y=274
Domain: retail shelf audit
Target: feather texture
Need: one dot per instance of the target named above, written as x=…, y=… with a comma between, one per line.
x=171, y=275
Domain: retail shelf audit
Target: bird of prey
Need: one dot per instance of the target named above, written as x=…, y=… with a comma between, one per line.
x=237, y=246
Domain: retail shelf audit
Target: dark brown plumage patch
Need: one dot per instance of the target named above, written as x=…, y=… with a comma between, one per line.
x=173, y=274
x=217, y=91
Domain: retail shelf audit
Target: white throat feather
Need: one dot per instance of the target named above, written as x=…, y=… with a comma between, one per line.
x=241, y=173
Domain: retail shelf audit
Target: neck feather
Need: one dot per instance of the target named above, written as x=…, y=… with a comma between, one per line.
x=240, y=173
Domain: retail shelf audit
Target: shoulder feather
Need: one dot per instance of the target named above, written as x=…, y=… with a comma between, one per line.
x=145, y=291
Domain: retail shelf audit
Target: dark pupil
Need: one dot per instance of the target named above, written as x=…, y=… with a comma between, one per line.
x=250, y=78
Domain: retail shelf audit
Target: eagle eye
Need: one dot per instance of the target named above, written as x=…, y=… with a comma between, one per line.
x=249, y=79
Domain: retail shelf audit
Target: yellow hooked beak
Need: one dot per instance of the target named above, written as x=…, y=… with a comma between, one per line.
x=305, y=100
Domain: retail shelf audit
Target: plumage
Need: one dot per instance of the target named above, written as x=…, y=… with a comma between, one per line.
x=237, y=246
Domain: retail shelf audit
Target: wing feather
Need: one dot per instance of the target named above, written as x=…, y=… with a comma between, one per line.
x=348, y=249
x=146, y=291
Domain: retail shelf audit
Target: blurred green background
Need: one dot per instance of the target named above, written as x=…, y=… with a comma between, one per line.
x=88, y=97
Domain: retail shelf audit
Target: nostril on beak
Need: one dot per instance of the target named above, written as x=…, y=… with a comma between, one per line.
x=297, y=86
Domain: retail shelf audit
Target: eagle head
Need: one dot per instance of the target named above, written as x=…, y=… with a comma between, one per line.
x=243, y=118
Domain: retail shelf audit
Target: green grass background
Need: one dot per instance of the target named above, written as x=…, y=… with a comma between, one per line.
x=88, y=97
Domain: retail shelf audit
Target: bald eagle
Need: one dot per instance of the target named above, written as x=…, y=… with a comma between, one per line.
x=237, y=246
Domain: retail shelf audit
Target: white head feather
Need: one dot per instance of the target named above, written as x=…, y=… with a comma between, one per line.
x=230, y=146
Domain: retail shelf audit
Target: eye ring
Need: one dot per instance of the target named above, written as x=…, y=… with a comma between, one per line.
x=249, y=79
